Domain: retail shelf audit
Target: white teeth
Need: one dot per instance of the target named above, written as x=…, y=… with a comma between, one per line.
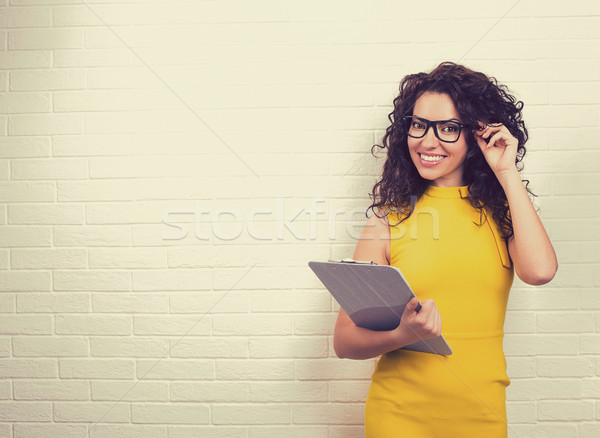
x=432, y=158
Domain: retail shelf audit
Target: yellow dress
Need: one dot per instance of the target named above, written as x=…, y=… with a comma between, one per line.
x=466, y=270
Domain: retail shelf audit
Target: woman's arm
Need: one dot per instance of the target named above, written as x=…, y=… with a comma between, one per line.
x=530, y=249
x=353, y=342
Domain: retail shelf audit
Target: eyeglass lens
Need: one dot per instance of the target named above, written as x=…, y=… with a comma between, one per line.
x=444, y=130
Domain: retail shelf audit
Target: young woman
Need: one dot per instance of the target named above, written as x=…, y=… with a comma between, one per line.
x=453, y=214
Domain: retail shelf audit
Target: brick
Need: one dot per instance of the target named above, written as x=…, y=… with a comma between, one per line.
x=209, y=392
x=207, y=432
x=27, y=191
x=45, y=124
x=571, y=410
x=97, y=100
x=304, y=347
x=20, y=103
x=28, y=368
x=5, y=390
x=291, y=301
x=175, y=369
x=563, y=322
x=578, y=184
x=92, y=412
x=544, y=389
x=12, y=411
x=127, y=258
x=179, y=413
x=589, y=343
x=321, y=413
x=47, y=38
x=172, y=279
x=130, y=213
x=77, y=16
x=22, y=147
x=578, y=252
x=92, y=57
x=590, y=388
x=171, y=325
x=26, y=325
x=333, y=369
x=540, y=430
x=565, y=367
x=128, y=347
x=349, y=391
x=525, y=345
x=314, y=324
x=53, y=303
x=116, y=77
x=32, y=346
x=42, y=258
x=216, y=347
x=91, y=281
x=91, y=145
x=16, y=236
x=92, y=325
x=521, y=412
x=92, y=235
x=61, y=430
x=53, y=168
x=51, y=390
x=240, y=255
x=288, y=391
x=253, y=324
x=130, y=391
x=130, y=303
x=110, y=190
x=587, y=430
x=140, y=121
x=254, y=369
x=573, y=207
x=46, y=214
x=520, y=322
x=293, y=431
x=251, y=414
x=528, y=299
x=127, y=431
x=575, y=93
x=24, y=281
x=346, y=431
x=97, y=368
x=7, y=303
x=205, y=301
x=15, y=17
x=5, y=347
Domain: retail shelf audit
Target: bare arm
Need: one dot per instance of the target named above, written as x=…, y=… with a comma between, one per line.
x=530, y=248
x=353, y=342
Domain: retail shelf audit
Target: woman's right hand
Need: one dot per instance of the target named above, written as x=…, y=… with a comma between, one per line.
x=416, y=326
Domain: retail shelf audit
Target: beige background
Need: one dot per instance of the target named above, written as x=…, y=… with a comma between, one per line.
x=126, y=128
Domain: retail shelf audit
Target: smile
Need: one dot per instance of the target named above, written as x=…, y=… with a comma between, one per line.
x=432, y=158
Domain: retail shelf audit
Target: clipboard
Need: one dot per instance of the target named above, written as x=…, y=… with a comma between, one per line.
x=374, y=297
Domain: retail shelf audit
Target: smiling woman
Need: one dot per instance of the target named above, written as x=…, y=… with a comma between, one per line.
x=453, y=148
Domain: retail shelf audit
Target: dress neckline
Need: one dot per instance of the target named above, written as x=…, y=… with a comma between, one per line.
x=447, y=192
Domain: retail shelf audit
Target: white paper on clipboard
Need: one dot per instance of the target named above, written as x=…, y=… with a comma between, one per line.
x=374, y=297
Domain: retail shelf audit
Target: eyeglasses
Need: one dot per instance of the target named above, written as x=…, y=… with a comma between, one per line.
x=446, y=130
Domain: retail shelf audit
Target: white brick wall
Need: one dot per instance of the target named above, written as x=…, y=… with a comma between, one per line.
x=126, y=313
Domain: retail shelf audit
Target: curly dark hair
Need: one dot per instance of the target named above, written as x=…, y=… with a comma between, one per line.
x=477, y=97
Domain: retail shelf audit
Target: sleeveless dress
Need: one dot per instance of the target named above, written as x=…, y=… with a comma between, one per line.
x=466, y=269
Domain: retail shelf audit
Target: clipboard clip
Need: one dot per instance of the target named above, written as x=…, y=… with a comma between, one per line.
x=350, y=260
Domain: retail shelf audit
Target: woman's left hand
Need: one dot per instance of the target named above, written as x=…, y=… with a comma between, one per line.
x=501, y=150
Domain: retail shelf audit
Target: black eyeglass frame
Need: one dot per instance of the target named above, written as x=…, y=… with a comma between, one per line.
x=429, y=123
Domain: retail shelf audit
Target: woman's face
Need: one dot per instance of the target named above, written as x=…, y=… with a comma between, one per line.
x=447, y=172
